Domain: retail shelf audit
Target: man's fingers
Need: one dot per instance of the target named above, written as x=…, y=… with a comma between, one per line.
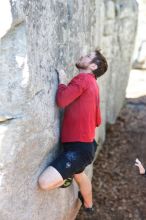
x=61, y=75
x=137, y=160
x=138, y=164
x=62, y=72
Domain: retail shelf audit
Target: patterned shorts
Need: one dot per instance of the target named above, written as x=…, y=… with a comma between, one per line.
x=75, y=157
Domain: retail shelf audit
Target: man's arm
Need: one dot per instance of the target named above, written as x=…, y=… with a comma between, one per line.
x=98, y=113
x=66, y=94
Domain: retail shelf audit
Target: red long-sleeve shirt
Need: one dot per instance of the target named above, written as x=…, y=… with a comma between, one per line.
x=80, y=98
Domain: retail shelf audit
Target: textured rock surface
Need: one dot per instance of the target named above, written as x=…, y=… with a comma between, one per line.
x=139, y=58
x=37, y=37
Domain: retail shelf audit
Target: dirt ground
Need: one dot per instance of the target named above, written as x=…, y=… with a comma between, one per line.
x=119, y=191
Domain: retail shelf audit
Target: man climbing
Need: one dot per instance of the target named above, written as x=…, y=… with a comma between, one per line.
x=80, y=99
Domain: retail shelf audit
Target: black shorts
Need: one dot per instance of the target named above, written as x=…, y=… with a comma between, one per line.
x=74, y=158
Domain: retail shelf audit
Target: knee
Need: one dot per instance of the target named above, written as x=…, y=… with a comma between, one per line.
x=79, y=177
x=49, y=179
x=42, y=183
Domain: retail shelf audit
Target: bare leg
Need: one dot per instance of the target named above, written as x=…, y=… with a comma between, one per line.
x=85, y=188
x=50, y=179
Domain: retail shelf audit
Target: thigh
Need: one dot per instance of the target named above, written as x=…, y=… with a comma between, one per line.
x=74, y=159
x=78, y=160
x=83, y=155
x=50, y=179
x=67, y=163
x=51, y=174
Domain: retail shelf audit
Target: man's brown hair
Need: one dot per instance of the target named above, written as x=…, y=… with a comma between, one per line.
x=101, y=63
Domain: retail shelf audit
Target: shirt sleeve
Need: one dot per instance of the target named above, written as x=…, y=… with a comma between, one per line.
x=67, y=94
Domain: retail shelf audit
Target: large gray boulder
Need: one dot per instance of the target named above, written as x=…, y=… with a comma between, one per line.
x=37, y=37
x=139, y=58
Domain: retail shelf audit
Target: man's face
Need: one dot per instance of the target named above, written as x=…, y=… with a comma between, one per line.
x=85, y=61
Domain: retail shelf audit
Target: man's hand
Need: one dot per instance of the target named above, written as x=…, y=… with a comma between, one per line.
x=140, y=166
x=61, y=76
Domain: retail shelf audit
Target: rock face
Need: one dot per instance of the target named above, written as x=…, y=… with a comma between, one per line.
x=139, y=58
x=37, y=37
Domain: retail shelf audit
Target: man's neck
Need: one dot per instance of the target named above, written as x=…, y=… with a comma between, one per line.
x=85, y=71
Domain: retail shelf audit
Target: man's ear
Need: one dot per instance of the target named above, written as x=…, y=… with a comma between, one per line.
x=93, y=66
